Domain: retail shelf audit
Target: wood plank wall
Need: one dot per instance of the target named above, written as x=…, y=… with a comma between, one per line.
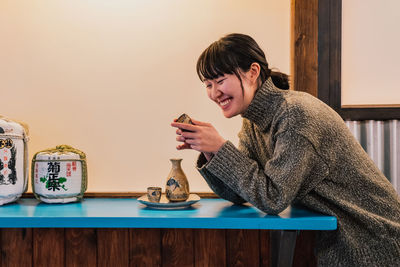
x=142, y=247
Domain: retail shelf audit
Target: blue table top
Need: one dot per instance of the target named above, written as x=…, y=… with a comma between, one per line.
x=129, y=213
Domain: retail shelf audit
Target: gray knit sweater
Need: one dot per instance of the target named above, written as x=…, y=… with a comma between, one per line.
x=295, y=150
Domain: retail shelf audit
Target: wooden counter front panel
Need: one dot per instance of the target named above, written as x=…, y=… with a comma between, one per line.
x=16, y=247
x=143, y=247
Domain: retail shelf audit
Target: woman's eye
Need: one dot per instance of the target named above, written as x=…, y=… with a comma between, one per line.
x=220, y=81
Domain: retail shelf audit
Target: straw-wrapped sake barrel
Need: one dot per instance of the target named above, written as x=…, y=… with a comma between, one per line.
x=13, y=160
x=59, y=175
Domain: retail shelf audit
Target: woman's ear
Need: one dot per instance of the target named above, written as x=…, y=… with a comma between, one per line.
x=254, y=71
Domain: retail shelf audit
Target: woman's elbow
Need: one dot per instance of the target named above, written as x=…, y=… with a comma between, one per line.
x=273, y=208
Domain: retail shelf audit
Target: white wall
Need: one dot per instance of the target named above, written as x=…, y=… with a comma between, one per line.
x=370, y=52
x=108, y=77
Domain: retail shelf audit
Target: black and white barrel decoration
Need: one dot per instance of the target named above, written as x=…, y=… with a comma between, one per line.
x=13, y=160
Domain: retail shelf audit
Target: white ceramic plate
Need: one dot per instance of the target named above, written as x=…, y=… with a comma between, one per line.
x=166, y=204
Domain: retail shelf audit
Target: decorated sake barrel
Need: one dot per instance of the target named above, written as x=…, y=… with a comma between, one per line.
x=13, y=160
x=59, y=175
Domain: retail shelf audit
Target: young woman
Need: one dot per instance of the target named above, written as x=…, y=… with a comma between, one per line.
x=293, y=149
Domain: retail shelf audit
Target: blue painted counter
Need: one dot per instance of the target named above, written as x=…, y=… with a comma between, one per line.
x=129, y=213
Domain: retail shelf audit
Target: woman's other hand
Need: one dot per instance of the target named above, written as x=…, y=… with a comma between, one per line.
x=200, y=136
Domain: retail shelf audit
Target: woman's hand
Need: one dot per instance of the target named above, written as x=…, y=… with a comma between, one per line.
x=200, y=136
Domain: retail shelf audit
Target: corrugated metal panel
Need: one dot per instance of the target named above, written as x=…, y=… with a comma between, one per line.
x=395, y=154
x=381, y=140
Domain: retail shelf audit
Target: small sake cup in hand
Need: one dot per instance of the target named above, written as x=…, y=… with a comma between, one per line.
x=154, y=193
x=184, y=118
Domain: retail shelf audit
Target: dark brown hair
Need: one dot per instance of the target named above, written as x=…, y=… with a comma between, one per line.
x=234, y=53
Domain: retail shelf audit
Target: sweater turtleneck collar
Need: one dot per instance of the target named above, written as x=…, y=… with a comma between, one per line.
x=264, y=105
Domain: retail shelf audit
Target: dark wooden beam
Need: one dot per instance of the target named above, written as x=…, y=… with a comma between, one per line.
x=304, y=46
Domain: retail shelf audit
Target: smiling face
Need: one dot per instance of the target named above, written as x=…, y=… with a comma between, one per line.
x=232, y=69
x=227, y=92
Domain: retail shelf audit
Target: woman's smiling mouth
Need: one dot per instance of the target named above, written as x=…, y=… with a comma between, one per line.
x=224, y=103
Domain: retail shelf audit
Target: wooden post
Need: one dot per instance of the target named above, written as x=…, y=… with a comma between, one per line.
x=304, y=46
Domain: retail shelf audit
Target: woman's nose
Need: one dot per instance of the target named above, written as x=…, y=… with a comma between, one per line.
x=215, y=92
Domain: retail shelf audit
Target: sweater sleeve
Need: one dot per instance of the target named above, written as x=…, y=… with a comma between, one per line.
x=274, y=186
x=216, y=185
